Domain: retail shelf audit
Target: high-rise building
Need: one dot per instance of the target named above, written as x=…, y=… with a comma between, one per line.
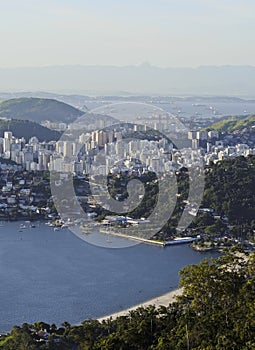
x=192, y=135
x=68, y=149
x=8, y=135
x=202, y=135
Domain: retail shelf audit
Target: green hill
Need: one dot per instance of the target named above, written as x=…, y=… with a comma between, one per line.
x=27, y=129
x=38, y=110
x=234, y=123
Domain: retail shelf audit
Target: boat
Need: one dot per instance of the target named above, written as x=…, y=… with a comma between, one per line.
x=108, y=239
x=64, y=226
x=193, y=212
x=49, y=223
x=181, y=240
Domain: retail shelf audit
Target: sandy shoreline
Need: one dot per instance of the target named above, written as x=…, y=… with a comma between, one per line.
x=163, y=300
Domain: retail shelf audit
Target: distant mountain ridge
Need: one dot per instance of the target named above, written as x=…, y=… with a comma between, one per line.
x=142, y=79
x=79, y=99
x=38, y=110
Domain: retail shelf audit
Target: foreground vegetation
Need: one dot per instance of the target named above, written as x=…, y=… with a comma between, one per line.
x=215, y=312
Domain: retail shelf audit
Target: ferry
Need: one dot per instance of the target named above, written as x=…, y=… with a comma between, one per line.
x=181, y=240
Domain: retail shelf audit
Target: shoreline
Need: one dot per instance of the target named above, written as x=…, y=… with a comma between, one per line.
x=139, y=239
x=175, y=241
x=161, y=300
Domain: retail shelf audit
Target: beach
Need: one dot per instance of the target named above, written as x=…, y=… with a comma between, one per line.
x=163, y=300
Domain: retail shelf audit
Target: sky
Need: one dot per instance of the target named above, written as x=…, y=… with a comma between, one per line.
x=164, y=33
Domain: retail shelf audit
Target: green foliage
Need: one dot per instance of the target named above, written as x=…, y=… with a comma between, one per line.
x=234, y=123
x=38, y=109
x=230, y=189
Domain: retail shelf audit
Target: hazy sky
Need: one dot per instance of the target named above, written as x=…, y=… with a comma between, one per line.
x=127, y=32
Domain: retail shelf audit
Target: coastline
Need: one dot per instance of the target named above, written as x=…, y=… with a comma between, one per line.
x=175, y=241
x=162, y=300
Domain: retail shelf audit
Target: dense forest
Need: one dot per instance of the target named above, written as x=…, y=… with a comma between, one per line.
x=230, y=188
x=215, y=312
x=229, y=193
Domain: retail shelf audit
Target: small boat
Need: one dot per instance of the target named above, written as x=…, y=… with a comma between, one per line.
x=49, y=223
x=64, y=226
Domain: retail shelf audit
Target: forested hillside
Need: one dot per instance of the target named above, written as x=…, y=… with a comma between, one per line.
x=229, y=191
x=234, y=123
x=38, y=110
x=28, y=129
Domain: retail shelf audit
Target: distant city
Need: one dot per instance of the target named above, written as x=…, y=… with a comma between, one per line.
x=101, y=149
x=105, y=146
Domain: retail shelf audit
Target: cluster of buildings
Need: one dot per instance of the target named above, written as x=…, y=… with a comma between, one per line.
x=30, y=156
x=108, y=151
x=100, y=152
x=94, y=122
x=112, y=151
x=22, y=195
x=215, y=147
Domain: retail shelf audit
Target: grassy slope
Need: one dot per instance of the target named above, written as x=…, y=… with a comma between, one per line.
x=234, y=123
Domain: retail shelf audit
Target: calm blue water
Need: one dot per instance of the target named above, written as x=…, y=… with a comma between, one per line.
x=53, y=276
x=186, y=109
